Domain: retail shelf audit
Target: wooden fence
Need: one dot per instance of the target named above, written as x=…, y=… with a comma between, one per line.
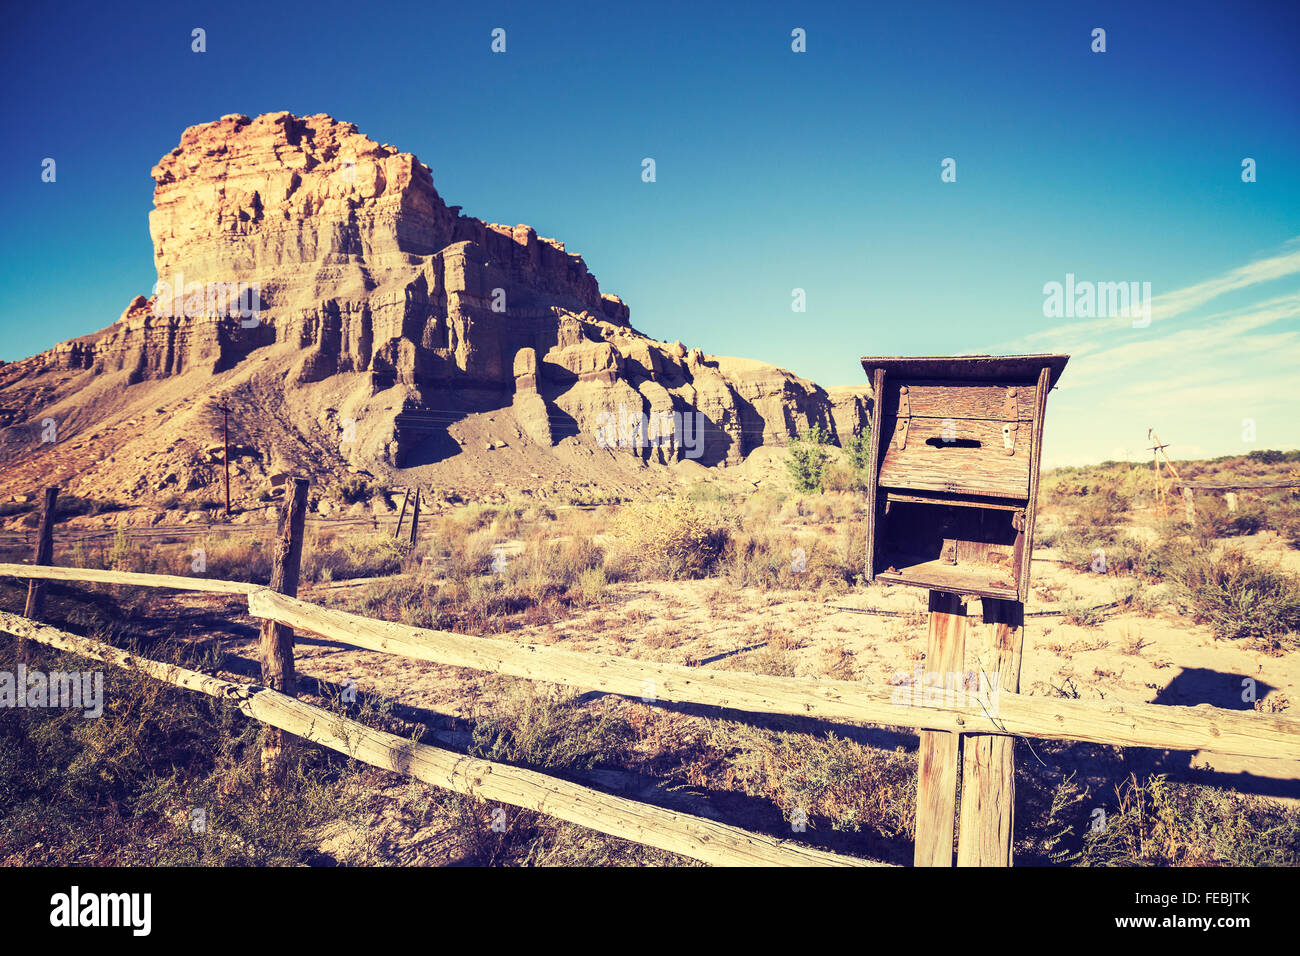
x=971, y=734
x=1189, y=489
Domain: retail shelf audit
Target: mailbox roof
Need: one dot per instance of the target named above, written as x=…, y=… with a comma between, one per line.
x=969, y=368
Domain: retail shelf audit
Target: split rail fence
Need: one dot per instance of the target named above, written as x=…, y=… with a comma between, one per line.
x=950, y=733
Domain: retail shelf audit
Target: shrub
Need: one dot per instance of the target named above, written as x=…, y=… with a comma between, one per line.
x=118, y=790
x=120, y=553
x=239, y=559
x=670, y=539
x=1082, y=614
x=1101, y=506
x=592, y=585
x=369, y=556
x=855, y=787
x=838, y=477
x=1214, y=520
x=1154, y=821
x=808, y=456
x=352, y=489
x=1236, y=595
x=858, y=448
x=1288, y=528
x=707, y=492
x=783, y=561
x=1271, y=456
x=551, y=731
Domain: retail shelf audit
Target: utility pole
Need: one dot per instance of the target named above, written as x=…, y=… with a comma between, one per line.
x=225, y=431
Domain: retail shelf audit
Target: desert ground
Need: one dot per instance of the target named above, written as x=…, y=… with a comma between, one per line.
x=739, y=572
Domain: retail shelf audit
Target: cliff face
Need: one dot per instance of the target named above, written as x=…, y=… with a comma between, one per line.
x=303, y=243
x=346, y=249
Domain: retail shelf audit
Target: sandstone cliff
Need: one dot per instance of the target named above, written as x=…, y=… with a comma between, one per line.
x=318, y=281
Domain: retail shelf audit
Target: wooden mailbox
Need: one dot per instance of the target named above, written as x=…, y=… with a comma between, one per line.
x=955, y=446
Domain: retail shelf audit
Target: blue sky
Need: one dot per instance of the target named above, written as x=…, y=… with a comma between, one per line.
x=776, y=170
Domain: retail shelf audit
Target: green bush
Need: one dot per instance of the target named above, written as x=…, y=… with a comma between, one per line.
x=1272, y=456
x=352, y=489
x=808, y=457
x=858, y=448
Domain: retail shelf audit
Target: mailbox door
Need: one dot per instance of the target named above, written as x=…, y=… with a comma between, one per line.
x=970, y=438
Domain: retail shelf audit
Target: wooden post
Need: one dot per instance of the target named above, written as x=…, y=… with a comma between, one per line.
x=402, y=517
x=225, y=431
x=1189, y=506
x=936, y=785
x=415, y=518
x=35, y=608
x=277, y=639
x=875, y=505
x=988, y=781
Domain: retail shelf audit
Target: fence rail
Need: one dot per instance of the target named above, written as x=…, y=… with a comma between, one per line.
x=1163, y=726
x=1237, y=485
x=1168, y=727
x=181, y=532
x=177, y=582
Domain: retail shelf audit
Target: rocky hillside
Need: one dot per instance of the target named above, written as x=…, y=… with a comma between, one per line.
x=315, y=282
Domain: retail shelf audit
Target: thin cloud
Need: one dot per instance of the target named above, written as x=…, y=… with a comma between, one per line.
x=1197, y=382
x=1170, y=305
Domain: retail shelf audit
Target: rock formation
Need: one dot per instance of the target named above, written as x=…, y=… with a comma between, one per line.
x=299, y=251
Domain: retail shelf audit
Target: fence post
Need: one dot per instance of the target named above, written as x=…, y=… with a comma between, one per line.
x=277, y=639
x=35, y=607
x=402, y=517
x=988, y=779
x=415, y=518
x=936, y=784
